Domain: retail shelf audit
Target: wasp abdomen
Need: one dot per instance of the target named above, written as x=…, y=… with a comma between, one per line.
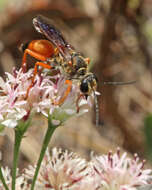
x=43, y=47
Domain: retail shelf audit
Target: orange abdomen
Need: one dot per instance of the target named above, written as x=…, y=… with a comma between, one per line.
x=42, y=47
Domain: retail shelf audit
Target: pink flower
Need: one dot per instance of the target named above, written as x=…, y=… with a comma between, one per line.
x=61, y=170
x=119, y=172
x=21, y=184
x=47, y=89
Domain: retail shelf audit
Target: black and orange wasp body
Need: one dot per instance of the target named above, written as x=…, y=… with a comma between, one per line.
x=56, y=52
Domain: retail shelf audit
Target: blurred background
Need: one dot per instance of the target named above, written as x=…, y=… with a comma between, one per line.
x=117, y=36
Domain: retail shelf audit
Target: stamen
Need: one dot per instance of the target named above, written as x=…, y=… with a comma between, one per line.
x=135, y=156
x=110, y=160
x=14, y=72
x=118, y=152
x=143, y=163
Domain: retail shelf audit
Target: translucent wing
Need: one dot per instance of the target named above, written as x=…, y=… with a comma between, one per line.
x=43, y=25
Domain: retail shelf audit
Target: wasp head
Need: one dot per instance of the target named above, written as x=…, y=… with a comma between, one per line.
x=88, y=84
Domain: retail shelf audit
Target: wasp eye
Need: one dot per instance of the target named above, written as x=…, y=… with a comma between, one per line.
x=84, y=87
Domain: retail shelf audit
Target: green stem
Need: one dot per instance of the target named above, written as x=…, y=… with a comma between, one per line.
x=48, y=135
x=18, y=138
x=3, y=180
x=19, y=133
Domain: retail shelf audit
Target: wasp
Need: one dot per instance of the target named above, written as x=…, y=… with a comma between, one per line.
x=54, y=52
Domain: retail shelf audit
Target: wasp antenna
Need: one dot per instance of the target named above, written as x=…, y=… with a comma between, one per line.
x=120, y=83
x=96, y=108
x=22, y=47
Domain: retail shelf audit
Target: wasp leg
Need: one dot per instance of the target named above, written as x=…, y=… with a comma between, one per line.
x=44, y=65
x=56, y=51
x=68, y=90
x=33, y=54
x=77, y=102
x=87, y=60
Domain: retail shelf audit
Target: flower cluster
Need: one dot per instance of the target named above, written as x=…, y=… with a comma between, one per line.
x=61, y=170
x=21, y=184
x=64, y=170
x=15, y=105
x=120, y=172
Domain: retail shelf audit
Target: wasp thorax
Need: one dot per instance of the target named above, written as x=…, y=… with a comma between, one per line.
x=79, y=64
x=88, y=84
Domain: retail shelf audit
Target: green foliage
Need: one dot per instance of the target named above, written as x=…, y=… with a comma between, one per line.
x=3, y=3
x=148, y=135
x=147, y=29
x=133, y=4
x=2, y=128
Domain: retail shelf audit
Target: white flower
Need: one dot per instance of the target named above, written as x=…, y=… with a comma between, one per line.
x=61, y=170
x=21, y=184
x=119, y=172
x=66, y=171
x=42, y=98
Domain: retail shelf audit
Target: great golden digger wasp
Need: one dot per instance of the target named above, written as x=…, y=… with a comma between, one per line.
x=55, y=52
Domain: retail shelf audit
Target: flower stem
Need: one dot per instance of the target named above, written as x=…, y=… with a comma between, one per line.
x=3, y=180
x=18, y=138
x=19, y=133
x=47, y=138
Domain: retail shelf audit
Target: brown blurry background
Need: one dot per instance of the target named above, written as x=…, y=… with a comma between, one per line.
x=117, y=36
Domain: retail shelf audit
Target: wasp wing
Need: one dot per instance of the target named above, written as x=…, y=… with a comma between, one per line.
x=43, y=25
